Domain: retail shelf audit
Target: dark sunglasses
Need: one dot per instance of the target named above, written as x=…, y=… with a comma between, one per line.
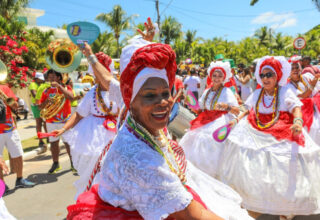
x=267, y=75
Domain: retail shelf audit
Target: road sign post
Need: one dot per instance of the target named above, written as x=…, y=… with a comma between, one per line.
x=299, y=43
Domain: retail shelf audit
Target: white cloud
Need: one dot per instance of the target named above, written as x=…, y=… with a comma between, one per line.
x=276, y=20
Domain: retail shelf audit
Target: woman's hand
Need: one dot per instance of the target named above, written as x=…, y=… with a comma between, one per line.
x=296, y=129
x=222, y=106
x=59, y=132
x=150, y=30
x=85, y=49
x=233, y=122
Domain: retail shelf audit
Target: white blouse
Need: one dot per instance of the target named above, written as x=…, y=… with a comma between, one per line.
x=89, y=104
x=226, y=96
x=136, y=177
x=287, y=101
x=306, y=77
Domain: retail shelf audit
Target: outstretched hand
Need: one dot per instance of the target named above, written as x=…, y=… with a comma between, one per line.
x=85, y=49
x=3, y=166
x=150, y=30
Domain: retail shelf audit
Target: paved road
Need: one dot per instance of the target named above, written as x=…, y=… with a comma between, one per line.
x=50, y=197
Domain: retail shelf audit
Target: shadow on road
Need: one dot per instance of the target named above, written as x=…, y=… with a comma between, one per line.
x=43, y=157
x=41, y=178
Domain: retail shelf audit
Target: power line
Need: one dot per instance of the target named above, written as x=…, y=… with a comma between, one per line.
x=166, y=7
x=231, y=15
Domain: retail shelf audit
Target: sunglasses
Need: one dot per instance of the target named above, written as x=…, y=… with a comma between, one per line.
x=267, y=75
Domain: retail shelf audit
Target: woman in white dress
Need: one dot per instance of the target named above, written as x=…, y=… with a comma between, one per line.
x=245, y=81
x=307, y=87
x=93, y=124
x=145, y=175
x=218, y=107
x=269, y=159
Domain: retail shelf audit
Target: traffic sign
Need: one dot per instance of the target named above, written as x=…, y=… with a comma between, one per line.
x=299, y=43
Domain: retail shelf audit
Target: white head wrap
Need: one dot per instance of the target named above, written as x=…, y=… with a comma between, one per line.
x=286, y=69
x=224, y=65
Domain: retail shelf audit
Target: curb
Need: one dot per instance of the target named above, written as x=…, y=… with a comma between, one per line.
x=30, y=154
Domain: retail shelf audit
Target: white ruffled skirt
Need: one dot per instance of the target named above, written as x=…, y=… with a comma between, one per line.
x=274, y=177
x=87, y=140
x=4, y=213
x=218, y=197
x=201, y=149
x=315, y=127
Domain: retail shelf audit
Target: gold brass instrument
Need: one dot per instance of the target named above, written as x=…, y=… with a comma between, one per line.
x=63, y=56
x=3, y=72
x=53, y=106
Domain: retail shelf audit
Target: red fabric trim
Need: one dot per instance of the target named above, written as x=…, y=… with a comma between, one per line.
x=280, y=130
x=158, y=56
x=209, y=79
x=275, y=64
x=206, y=117
x=307, y=112
x=104, y=59
x=316, y=101
x=231, y=83
x=89, y=206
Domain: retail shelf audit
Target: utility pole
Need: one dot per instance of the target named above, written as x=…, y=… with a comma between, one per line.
x=270, y=41
x=158, y=19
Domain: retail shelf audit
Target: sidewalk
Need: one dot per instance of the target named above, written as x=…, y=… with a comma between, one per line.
x=27, y=128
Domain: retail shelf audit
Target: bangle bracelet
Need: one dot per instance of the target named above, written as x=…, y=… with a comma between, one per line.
x=92, y=59
x=63, y=129
x=298, y=119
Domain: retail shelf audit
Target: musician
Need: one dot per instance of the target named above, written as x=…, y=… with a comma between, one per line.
x=10, y=138
x=218, y=106
x=56, y=120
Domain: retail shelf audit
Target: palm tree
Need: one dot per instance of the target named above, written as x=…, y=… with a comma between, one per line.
x=9, y=8
x=170, y=29
x=105, y=43
x=118, y=21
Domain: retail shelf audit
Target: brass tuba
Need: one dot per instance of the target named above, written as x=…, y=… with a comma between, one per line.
x=63, y=56
x=53, y=106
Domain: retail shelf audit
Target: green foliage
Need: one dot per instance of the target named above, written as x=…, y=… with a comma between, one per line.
x=170, y=30
x=10, y=8
x=118, y=21
x=105, y=43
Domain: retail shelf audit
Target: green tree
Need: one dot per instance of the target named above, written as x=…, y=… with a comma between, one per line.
x=10, y=8
x=105, y=43
x=170, y=30
x=118, y=21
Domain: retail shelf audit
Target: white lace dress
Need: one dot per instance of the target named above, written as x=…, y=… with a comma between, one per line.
x=246, y=90
x=198, y=144
x=315, y=126
x=89, y=137
x=272, y=176
x=136, y=177
x=4, y=213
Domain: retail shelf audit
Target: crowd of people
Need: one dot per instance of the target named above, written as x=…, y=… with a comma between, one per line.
x=266, y=160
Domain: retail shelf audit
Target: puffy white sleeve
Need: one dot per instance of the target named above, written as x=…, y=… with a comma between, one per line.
x=231, y=98
x=293, y=89
x=115, y=93
x=201, y=100
x=252, y=99
x=139, y=179
x=290, y=99
x=84, y=106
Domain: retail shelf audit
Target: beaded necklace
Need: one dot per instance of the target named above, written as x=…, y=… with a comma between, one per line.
x=155, y=143
x=99, y=102
x=296, y=85
x=275, y=113
x=215, y=98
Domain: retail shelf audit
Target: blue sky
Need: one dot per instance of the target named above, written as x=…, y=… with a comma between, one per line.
x=230, y=19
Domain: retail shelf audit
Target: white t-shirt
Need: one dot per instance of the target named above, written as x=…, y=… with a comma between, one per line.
x=192, y=83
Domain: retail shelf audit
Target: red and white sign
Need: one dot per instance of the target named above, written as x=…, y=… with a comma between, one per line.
x=299, y=43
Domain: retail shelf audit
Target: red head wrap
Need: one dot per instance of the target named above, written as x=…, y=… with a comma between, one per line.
x=104, y=59
x=275, y=64
x=158, y=56
x=209, y=79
